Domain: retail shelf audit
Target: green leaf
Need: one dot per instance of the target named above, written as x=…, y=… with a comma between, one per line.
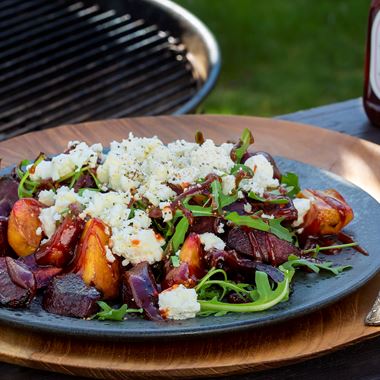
x=199, y=210
x=266, y=297
x=175, y=261
x=294, y=262
x=280, y=231
x=246, y=140
x=292, y=183
x=326, y=248
x=179, y=234
x=108, y=313
x=278, y=201
x=249, y=221
x=244, y=168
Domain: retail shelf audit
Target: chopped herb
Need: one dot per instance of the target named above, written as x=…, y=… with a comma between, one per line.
x=108, y=313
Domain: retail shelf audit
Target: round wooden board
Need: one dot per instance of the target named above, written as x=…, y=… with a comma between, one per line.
x=332, y=328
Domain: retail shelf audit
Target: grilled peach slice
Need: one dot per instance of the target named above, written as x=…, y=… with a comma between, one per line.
x=91, y=261
x=328, y=213
x=22, y=226
x=191, y=253
x=59, y=250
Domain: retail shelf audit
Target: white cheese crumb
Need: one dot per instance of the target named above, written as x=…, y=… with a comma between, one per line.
x=220, y=228
x=47, y=197
x=210, y=240
x=136, y=246
x=228, y=184
x=263, y=175
x=109, y=256
x=167, y=213
x=302, y=206
x=39, y=231
x=266, y=216
x=178, y=302
x=247, y=208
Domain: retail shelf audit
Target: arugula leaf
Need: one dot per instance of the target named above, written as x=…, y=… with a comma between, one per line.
x=109, y=313
x=274, y=225
x=246, y=140
x=244, y=168
x=278, y=201
x=326, y=248
x=280, y=231
x=179, y=234
x=294, y=262
x=266, y=297
x=292, y=183
x=249, y=221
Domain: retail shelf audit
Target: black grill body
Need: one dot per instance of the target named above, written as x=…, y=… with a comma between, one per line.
x=68, y=61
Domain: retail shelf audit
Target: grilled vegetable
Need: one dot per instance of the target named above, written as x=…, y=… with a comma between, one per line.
x=17, y=283
x=91, y=260
x=140, y=290
x=68, y=295
x=59, y=250
x=328, y=213
x=22, y=226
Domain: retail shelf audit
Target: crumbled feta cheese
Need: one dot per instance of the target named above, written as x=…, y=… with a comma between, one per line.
x=146, y=165
x=167, y=213
x=59, y=166
x=47, y=197
x=109, y=256
x=228, y=184
x=49, y=217
x=302, y=206
x=247, y=208
x=220, y=228
x=266, y=216
x=136, y=246
x=210, y=241
x=263, y=175
x=39, y=231
x=178, y=302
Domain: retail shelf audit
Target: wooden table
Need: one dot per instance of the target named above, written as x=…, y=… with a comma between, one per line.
x=356, y=362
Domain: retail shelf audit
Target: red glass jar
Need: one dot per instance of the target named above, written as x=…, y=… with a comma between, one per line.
x=371, y=96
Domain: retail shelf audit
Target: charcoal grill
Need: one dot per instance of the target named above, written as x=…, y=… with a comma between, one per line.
x=67, y=61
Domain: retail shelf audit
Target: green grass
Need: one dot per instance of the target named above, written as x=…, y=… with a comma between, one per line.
x=280, y=56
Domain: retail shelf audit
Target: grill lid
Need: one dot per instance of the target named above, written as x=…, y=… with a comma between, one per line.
x=67, y=62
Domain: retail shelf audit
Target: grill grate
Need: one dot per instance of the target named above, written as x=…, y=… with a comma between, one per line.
x=66, y=62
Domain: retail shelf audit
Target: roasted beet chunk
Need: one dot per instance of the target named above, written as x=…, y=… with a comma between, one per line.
x=17, y=283
x=238, y=240
x=140, y=290
x=261, y=246
x=68, y=295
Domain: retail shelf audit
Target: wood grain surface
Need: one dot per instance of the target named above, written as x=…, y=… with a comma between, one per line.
x=332, y=328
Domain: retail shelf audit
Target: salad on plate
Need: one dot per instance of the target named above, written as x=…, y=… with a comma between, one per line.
x=162, y=231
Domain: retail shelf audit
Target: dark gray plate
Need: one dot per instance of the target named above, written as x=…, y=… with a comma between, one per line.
x=311, y=291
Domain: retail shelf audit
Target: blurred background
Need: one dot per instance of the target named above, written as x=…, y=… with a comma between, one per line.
x=282, y=56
